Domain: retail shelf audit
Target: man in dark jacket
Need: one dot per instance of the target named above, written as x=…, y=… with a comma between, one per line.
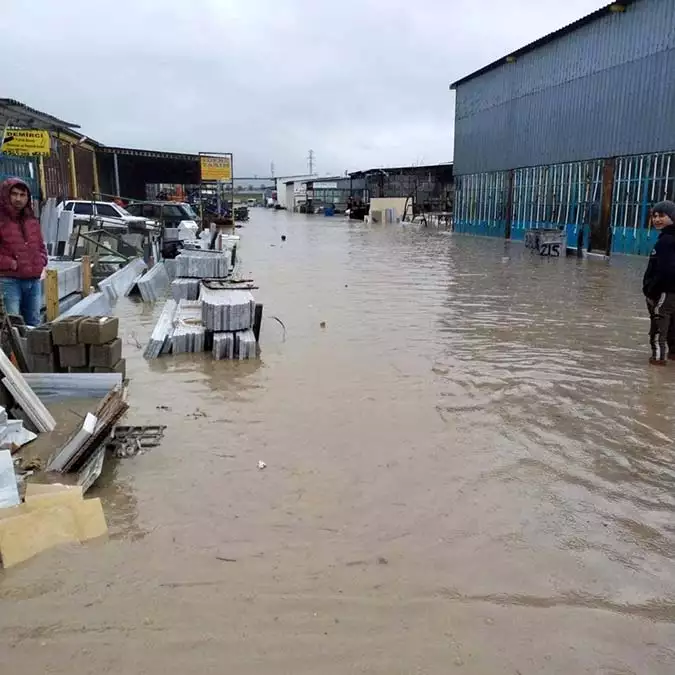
x=658, y=285
x=23, y=256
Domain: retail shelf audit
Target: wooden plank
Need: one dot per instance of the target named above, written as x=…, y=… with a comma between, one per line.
x=52, y=294
x=86, y=275
x=25, y=396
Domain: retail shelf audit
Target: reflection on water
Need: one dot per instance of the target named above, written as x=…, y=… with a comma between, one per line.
x=449, y=420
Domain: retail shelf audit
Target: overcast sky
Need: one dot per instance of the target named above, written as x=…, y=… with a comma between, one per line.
x=364, y=83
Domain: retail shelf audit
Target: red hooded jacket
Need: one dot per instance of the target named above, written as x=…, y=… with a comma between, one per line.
x=23, y=254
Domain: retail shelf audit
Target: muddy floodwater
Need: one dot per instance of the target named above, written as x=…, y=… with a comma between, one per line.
x=470, y=468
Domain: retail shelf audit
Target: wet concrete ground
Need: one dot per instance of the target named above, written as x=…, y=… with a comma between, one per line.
x=470, y=468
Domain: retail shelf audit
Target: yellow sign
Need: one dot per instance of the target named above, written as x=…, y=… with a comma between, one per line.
x=214, y=167
x=26, y=142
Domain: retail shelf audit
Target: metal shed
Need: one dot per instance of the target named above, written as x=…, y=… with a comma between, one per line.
x=575, y=130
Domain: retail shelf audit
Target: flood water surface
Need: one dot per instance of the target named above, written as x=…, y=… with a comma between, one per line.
x=470, y=467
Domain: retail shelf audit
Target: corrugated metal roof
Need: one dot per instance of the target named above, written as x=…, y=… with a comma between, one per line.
x=392, y=169
x=136, y=152
x=19, y=114
x=605, y=90
x=555, y=35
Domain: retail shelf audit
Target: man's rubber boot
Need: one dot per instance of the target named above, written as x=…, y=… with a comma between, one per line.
x=658, y=362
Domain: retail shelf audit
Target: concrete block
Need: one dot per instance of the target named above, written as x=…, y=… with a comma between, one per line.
x=65, y=331
x=40, y=340
x=73, y=355
x=98, y=330
x=42, y=363
x=106, y=355
x=24, y=536
x=119, y=367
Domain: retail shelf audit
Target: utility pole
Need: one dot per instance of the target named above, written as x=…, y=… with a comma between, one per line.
x=272, y=169
x=310, y=162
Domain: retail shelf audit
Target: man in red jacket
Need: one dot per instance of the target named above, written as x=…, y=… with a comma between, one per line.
x=23, y=255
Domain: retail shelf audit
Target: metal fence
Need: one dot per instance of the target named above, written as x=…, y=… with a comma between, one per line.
x=481, y=203
x=569, y=196
x=639, y=182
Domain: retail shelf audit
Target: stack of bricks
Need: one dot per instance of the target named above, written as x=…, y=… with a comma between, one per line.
x=77, y=344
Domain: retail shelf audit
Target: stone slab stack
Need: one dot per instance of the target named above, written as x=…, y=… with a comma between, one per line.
x=154, y=283
x=226, y=310
x=185, y=289
x=202, y=264
x=160, y=340
x=188, y=332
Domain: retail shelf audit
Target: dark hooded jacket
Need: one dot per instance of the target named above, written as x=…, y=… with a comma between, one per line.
x=22, y=249
x=660, y=275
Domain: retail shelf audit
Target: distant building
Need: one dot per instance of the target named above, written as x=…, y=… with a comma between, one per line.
x=429, y=187
x=575, y=130
x=287, y=191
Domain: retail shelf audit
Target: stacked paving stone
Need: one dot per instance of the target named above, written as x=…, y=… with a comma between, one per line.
x=77, y=344
x=245, y=345
x=229, y=314
x=199, y=264
x=185, y=289
x=160, y=340
x=153, y=284
x=226, y=310
x=188, y=331
x=223, y=346
x=205, y=312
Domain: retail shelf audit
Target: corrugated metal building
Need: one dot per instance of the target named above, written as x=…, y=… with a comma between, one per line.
x=429, y=187
x=576, y=130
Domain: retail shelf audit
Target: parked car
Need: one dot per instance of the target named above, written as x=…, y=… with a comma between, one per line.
x=109, y=213
x=170, y=214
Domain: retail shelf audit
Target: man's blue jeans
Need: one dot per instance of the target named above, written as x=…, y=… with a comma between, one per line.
x=24, y=297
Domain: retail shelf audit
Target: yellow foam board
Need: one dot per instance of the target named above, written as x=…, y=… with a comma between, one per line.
x=58, y=498
x=89, y=519
x=26, y=535
x=33, y=489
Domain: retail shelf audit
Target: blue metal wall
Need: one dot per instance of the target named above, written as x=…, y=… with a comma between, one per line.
x=639, y=182
x=568, y=196
x=604, y=90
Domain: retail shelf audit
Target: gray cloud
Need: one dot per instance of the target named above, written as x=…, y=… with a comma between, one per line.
x=364, y=83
